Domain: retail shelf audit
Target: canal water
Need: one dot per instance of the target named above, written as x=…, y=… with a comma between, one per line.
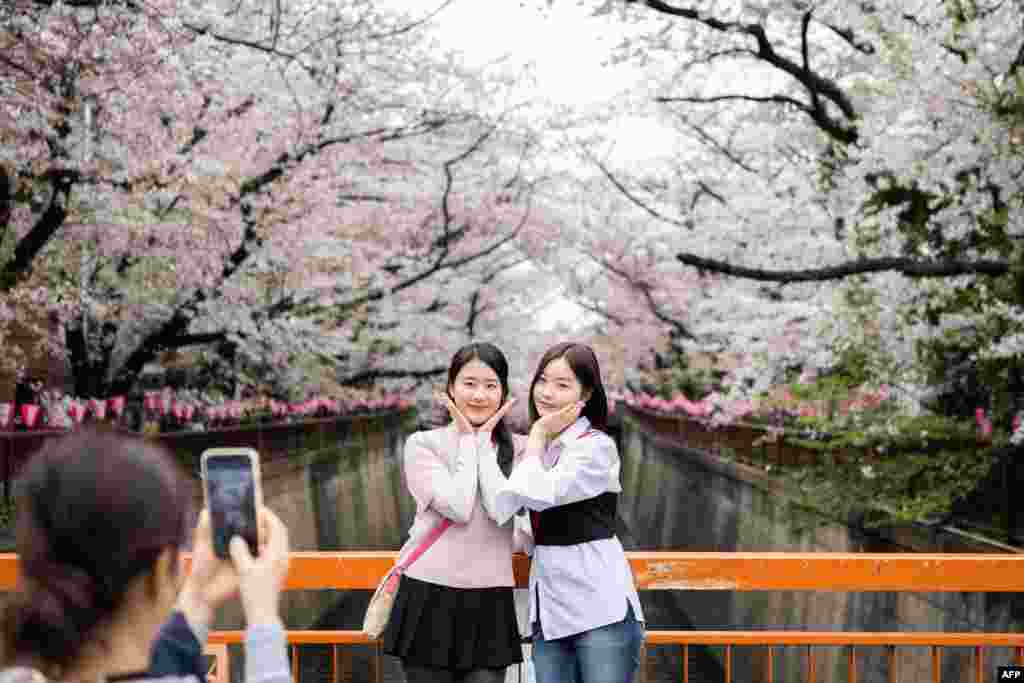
x=343, y=489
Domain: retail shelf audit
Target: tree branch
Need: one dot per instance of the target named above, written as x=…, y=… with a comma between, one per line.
x=413, y=25
x=765, y=52
x=206, y=31
x=6, y=201
x=184, y=340
x=777, y=99
x=386, y=134
x=599, y=310
x=449, y=181
x=851, y=40
x=636, y=200
x=815, y=111
x=646, y=290
x=175, y=327
x=61, y=183
x=906, y=266
x=364, y=376
x=439, y=263
x=805, y=54
x=710, y=140
x=476, y=310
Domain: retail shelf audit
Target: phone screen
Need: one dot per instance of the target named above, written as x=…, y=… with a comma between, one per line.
x=231, y=495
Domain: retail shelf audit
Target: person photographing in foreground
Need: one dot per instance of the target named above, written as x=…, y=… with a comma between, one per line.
x=102, y=520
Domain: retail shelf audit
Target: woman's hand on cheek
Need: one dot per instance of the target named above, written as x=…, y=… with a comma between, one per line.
x=461, y=421
x=553, y=424
x=488, y=427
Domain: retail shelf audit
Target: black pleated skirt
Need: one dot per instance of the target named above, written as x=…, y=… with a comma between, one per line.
x=453, y=628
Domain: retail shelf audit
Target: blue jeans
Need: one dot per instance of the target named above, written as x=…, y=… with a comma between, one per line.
x=609, y=654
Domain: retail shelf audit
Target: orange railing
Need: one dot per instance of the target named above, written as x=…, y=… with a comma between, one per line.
x=846, y=572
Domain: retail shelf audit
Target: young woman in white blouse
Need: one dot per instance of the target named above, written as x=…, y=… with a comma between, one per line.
x=454, y=618
x=585, y=614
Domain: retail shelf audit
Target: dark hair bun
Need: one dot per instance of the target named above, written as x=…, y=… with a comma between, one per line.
x=95, y=511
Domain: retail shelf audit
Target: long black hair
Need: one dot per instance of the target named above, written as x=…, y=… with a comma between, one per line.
x=583, y=362
x=491, y=356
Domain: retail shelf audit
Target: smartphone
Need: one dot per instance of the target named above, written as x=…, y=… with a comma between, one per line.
x=233, y=494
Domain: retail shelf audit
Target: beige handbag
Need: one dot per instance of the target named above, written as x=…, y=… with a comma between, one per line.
x=379, y=611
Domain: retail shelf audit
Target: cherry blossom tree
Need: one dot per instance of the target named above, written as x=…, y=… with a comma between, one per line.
x=284, y=185
x=833, y=163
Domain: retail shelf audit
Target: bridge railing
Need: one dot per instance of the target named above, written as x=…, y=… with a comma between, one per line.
x=837, y=572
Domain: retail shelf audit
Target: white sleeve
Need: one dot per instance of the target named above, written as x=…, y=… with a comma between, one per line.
x=583, y=471
x=451, y=492
x=492, y=479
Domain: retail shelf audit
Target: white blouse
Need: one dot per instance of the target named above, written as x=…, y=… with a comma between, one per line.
x=580, y=587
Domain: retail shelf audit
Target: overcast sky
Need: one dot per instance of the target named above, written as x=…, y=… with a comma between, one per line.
x=564, y=46
x=567, y=51
x=564, y=43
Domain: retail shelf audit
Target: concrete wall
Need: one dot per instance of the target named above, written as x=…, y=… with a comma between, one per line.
x=687, y=500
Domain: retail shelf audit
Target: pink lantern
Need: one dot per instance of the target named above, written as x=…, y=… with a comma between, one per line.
x=164, y=404
x=6, y=415
x=100, y=409
x=984, y=425
x=77, y=412
x=29, y=414
x=116, y=405
x=56, y=417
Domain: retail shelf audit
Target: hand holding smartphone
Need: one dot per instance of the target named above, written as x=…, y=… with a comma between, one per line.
x=233, y=494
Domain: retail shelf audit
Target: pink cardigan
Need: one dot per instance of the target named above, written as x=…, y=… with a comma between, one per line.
x=457, y=476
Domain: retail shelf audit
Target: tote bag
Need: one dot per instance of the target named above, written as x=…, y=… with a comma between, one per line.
x=379, y=611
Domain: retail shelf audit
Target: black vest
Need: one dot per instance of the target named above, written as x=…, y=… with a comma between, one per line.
x=579, y=522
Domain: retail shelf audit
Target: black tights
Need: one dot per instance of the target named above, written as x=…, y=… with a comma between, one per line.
x=421, y=674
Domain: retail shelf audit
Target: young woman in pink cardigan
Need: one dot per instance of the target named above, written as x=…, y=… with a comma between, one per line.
x=454, y=617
